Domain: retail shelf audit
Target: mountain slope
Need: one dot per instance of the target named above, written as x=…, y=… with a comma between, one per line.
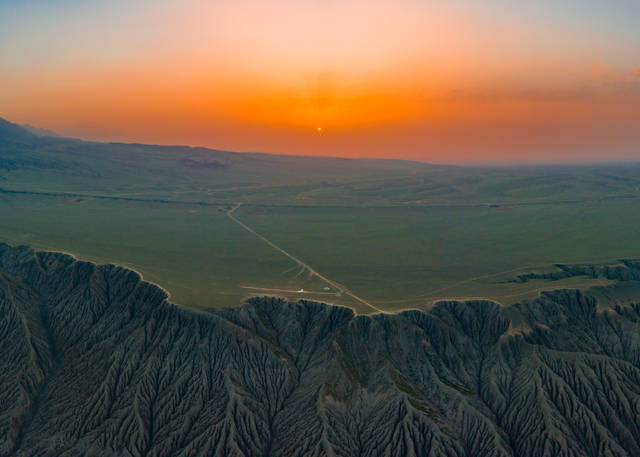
x=54, y=165
x=97, y=362
x=30, y=161
x=10, y=131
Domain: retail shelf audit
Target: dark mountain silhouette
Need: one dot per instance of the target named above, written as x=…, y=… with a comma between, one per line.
x=10, y=132
x=37, y=131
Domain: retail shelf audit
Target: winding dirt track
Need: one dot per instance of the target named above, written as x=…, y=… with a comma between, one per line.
x=302, y=264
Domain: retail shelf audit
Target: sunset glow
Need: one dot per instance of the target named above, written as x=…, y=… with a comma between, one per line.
x=464, y=81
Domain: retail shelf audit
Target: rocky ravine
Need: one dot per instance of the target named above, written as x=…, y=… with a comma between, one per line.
x=95, y=361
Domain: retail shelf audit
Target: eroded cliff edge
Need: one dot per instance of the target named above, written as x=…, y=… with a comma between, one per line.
x=94, y=361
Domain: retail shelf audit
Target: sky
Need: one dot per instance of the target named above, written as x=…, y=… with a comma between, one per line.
x=448, y=81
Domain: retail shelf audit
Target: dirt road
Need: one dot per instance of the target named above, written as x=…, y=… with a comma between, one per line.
x=302, y=264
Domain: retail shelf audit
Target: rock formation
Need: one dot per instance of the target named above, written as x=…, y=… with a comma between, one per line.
x=96, y=362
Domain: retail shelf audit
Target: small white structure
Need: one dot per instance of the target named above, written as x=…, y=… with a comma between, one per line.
x=301, y=291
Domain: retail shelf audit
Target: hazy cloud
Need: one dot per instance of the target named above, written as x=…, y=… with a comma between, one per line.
x=602, y=71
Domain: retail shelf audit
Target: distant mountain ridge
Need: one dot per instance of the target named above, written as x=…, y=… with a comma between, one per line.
x=97, y=362
x=37, y=131
x=61, y=165
x=10, y=131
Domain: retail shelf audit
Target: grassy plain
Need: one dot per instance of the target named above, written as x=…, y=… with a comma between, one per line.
x=393, y=257
x=197, y=253
x=408, y=256
x=385, y=235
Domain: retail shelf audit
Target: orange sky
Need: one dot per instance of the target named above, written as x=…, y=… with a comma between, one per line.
x=439, y=81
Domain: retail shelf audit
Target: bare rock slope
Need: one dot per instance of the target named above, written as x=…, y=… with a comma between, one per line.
x=94, y=361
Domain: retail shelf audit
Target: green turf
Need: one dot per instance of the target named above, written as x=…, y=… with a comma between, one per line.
x=397, y=257
x=395, y=234
x=393, y=257
x=197, y=254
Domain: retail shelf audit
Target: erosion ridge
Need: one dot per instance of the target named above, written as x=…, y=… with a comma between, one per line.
x=626, y=270
x=96, y=361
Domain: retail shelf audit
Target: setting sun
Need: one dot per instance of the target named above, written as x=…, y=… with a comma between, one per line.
x=434, y=81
